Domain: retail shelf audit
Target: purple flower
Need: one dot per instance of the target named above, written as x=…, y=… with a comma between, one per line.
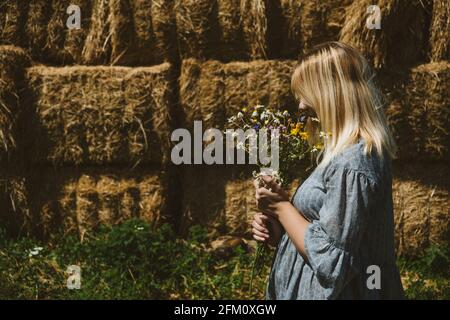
x=256, y=126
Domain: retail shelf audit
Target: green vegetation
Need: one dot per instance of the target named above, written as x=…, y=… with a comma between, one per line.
x=134, y=261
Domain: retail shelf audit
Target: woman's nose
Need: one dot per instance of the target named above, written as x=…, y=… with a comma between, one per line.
x=302, y=106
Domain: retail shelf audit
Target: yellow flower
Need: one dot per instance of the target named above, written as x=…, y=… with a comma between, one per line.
x=318, y=146
x=304, y=135
x=244, y=109
x=294, y=131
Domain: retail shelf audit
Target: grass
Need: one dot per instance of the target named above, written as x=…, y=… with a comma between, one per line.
x=134, y=261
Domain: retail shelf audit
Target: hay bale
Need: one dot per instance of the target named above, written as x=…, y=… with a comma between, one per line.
x=421, y=201
x=14, y=207
x=97, y=48
x=308, y=23
x=203, y=199
x=12, y=19
x=122, y=32
x=137, y=32
x=75, y=38
x=149, y=98
x=87, y=205
x=39, y=13
x=201, y=92
x=129, y=203
x=193, y=20
x=399, y=42
x=13, y=62
x=101, y=115
x=165, y=31
x=15, y=213
x=419, y=112
x=67, y=205
x=64, y=45
x=232, y=43
x=212, y=91
x=440, y=31
x=254, y=18
x=56, y=32
x=153, y=190
x=78, y=201
x=109, y=198
x=143, y=50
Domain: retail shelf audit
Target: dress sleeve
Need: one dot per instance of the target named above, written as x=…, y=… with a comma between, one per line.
x=332, y=242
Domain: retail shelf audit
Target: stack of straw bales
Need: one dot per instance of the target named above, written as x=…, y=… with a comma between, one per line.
x=118, y=118
x=101, y=115
x=76, y=118
x=212, y=91
x=225, y=54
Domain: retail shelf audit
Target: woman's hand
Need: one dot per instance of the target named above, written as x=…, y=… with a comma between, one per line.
x=267, y=229
x=269, y=198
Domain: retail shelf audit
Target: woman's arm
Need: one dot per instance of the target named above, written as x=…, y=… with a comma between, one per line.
x=294, y=223
x=290, y=218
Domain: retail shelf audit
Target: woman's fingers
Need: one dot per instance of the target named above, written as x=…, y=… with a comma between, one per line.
x=259, y=238
x=260, y=226
x=264, y=192
x=259, y=230
x=272, y=186
x=270, y=183
x=259, y=233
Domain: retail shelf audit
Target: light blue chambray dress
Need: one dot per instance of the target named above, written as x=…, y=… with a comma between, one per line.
x=349, y=204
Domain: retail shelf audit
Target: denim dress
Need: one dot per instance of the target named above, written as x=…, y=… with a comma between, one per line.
x=349, y=242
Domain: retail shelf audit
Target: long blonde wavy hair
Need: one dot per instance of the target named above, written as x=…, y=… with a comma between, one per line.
x=336, y=82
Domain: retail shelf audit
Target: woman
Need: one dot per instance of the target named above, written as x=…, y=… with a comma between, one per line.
x=335, y=240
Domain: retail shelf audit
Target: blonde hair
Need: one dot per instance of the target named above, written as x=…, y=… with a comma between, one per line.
x=336, y=81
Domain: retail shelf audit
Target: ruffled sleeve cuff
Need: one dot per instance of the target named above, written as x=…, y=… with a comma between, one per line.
x=332, y=265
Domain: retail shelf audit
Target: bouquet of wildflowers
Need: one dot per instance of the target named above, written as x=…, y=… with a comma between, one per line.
x=293, y=147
